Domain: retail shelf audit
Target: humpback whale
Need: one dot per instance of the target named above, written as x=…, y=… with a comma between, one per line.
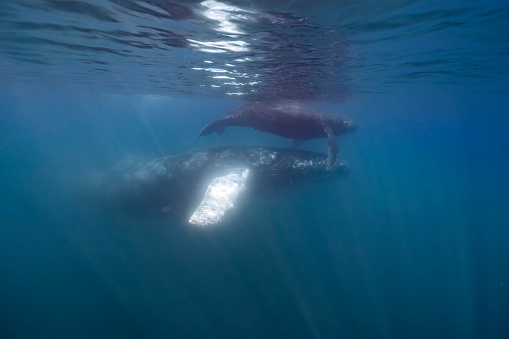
x=287, y=119
x=204, y=186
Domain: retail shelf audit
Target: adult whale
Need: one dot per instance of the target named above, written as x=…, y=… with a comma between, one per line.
x=204, y=185
x=287, y=119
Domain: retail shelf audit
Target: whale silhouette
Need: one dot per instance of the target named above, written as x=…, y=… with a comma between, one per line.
x=204, y=186
x=287, y=119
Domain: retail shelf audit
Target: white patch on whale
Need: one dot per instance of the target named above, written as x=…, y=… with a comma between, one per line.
x=222, y=194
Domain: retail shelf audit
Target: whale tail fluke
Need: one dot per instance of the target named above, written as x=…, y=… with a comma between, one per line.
x=217, y=126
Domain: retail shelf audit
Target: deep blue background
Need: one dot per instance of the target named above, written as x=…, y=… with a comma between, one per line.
x=412, y=244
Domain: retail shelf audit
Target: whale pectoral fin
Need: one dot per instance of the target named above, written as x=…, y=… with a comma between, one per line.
x=296, y=143
x=217, y=126
x=333, y=147
x=222, y=194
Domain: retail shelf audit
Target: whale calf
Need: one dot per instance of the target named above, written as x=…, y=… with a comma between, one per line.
x=204, y=186
x=287, y=119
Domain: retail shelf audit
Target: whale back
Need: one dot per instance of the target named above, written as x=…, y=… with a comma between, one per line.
x=285, y=118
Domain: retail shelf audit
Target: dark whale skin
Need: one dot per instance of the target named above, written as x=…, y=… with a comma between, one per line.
x=287, y=119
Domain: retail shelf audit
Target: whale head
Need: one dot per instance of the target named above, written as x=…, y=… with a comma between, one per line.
x=342, y=125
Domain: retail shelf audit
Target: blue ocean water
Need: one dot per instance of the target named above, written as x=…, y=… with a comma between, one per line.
x=411, y=244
